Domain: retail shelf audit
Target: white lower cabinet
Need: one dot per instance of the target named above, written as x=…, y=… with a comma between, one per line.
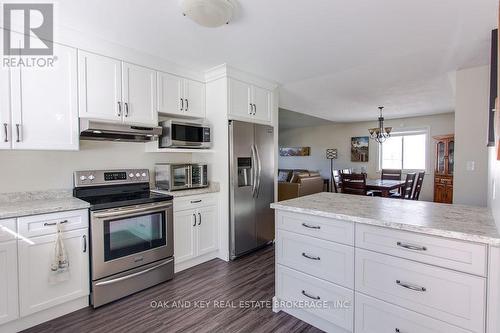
x=195, y=230
x=402, y=281
x=36, y=292
x=375, y=316
x=8, y=282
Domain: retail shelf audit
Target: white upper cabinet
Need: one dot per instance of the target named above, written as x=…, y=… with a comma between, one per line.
x=194, y=97
x=44, y=104
x=261, y=104
x=181, y=97
x=100, y=87
x=139, y=95
x=249, y=102
x=8, y=282
x=116, y=91
x=240, y=99
x=170, y=94
x=5, y=123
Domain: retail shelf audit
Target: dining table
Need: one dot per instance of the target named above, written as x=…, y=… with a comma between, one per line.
x=385, y=186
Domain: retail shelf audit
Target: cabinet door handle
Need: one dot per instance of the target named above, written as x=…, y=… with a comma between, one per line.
x=410, y=286
x=310, y=296
x=250, y=109
x=311, y=226
x=47, y=224
x=182, y=104
x=18, y=133
x=254, y=109
x=119, y=109
x=187, y=104
x=411, y=247
x=126, y=109
x=6, y=132
x=310, y=257
x=84, y=243
x=199, y=222
x=194, y=217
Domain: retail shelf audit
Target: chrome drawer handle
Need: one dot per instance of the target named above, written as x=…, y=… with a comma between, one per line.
x=411, y=247
x=195, y=201
x=310, y=257
x=310, y=296
x=410, y=286
x=46, y=224
x=311, y=226
x=6, y=132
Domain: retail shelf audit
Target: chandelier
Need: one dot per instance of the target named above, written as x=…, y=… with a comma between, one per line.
x=381, y=133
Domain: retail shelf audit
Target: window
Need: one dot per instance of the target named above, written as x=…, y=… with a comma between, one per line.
x=405, y=150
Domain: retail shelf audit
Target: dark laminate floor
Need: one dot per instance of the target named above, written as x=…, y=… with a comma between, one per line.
x=248, y=279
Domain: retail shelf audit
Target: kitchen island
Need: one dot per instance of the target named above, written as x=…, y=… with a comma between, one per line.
x=371, y=264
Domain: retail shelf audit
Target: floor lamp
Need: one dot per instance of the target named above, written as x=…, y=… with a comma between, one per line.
x=331, y=154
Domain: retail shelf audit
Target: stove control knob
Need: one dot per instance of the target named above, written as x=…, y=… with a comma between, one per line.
x=137, y=175
x=91, y=177
x=82, y=178
x=144, y=174
x=131, y=175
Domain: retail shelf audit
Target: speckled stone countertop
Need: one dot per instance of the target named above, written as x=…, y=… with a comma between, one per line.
x=213, y=187
x=41, y=202
x=468, y=223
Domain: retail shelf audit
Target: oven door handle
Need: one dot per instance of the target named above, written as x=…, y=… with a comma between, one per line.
x=126, y=277
x=123, y=212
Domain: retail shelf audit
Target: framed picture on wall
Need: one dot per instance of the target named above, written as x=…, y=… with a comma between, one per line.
x=359, y=148
x=295, y=151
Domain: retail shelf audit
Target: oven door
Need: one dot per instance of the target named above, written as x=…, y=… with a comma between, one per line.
x=128, y=237
x=190, y=135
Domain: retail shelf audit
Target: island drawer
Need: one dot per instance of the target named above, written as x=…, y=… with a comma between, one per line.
x=316, y=226
x=454, y=254
x=326, y=260
x=323, y=299
x=442, y=294
x=7, y=230
x=375, y=316
x=39, y=225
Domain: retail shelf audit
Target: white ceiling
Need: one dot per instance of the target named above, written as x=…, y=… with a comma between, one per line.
x=337, y=59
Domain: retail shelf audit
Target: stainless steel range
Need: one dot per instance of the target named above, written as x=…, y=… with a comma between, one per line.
x=131, y=232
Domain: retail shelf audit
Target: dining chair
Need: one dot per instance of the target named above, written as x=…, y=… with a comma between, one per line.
x=407, y=188
x=418, y=185
x=336, y=180
x=354, y=183
x=391, y=174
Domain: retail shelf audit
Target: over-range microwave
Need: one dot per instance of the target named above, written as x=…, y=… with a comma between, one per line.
x=185, y=134
x=173, y=177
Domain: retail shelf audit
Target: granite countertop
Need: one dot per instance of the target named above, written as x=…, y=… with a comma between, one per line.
x=41, y=202
x=212, y=188
x=468, y=223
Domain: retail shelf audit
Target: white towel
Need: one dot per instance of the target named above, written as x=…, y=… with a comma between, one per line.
x=59, y=268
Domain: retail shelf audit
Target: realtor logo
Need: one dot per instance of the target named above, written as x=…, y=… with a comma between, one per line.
x=37, y=23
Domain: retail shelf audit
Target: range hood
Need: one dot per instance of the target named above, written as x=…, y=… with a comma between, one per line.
x=102, y=131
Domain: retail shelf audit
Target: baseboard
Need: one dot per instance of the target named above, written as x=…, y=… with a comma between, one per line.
x=45, y=315
x=178, y=267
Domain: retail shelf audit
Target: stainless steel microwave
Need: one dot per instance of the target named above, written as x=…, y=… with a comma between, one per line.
x=173, y=177
x=185, y=134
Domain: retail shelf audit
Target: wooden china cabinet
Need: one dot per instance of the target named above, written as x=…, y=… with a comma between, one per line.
x=443, y=172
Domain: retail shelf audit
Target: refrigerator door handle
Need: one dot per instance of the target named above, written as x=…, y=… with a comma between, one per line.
x=258, y=172
x=254, y=171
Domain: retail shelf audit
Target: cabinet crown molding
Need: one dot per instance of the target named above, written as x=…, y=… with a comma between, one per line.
x=226, y=70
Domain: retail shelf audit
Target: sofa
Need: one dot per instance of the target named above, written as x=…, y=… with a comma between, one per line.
x=297, y=183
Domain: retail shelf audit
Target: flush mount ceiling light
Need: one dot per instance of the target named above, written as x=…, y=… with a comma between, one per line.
x=208, y=13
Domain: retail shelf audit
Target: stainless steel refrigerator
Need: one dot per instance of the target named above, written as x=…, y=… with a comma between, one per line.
x=251, y=159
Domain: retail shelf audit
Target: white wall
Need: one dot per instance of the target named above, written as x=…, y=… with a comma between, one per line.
x=471, y=128
x=494, y=185
x=44, y=170
x=319, y=138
